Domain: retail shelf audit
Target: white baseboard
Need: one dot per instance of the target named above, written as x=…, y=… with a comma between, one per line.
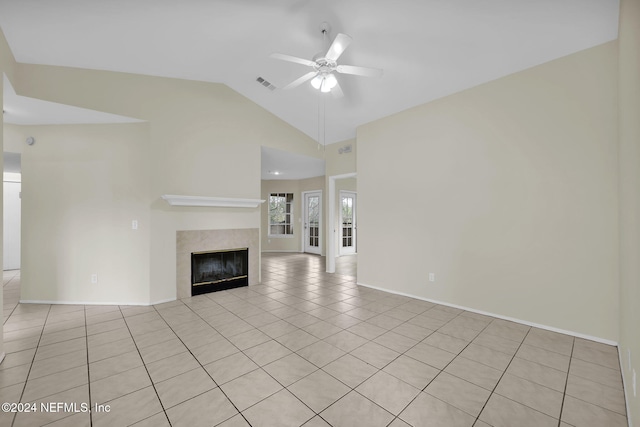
x=162, y=301
x=86, y=302
x=282, y=251
x=499, y=316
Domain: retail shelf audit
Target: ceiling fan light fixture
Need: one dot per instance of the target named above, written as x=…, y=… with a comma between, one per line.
x=331, y=81
x=325, y=87
x=317, y=81
x=324, y=82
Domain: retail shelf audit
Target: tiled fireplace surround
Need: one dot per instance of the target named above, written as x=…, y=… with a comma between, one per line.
x=188, y=241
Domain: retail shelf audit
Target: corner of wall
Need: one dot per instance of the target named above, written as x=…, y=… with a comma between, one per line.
x=7, y=66
x=1, y=229
x=629, y=201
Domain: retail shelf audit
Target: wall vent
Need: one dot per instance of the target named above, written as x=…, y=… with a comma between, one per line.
x=265, y=83
x=345, y=149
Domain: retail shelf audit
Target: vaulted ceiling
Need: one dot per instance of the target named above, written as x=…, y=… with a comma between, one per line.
x=427, y=48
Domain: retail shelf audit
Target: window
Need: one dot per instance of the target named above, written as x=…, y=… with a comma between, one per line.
x=280, y=214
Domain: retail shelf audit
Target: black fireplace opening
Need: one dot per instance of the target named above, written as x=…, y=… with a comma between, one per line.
x=219, y=270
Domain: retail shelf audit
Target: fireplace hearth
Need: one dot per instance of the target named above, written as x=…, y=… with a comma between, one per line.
x=213, y=271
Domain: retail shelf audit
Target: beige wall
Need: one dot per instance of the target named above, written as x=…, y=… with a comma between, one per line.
x=629, y=133
x=297, y=187
x=506, y=191
x=7, y=61
x=82, y=186
x=204, y=140
x=7, y=65
x=338, y=164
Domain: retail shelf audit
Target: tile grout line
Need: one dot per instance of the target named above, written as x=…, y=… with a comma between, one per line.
x=262, y=368
x=493, y=391
x=32, y=361
x=198, y=361
x=16, y=305
x=381, y=369
x=378, y=369
x=369, y=377
x=564, y=395
x=318, y=368
x=386, y=331
x=145, y=368
x=401, y=354
x=566, y=382
x=86, y=337
x=445, y=367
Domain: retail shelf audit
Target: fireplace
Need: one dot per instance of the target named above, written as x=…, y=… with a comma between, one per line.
x=189, y=242
x=219, y=270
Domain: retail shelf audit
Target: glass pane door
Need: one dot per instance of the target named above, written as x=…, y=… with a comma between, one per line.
x=313, y=204
x=348, y=222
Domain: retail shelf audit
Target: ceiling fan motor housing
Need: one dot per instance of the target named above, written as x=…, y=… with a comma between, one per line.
x=325, y=66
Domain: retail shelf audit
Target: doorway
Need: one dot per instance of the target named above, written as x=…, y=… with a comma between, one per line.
x=11, y=211
x=312, y=221
x=348, y=226
x=336, y=184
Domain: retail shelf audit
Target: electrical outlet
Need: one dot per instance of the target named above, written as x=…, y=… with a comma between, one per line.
x=134, y=224
x=94, y=279
x=432, y=277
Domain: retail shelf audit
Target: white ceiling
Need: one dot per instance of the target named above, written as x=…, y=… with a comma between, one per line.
x=427, y=48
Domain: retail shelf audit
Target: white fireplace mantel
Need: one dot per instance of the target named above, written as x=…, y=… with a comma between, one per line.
x=224, y=202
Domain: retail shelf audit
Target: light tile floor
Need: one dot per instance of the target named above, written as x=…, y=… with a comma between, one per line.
x=303, y=348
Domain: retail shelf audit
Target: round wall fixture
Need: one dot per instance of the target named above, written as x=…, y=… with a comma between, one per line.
x=31, y=140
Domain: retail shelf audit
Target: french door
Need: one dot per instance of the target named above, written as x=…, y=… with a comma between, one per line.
x=312, y=221
x=347, y=222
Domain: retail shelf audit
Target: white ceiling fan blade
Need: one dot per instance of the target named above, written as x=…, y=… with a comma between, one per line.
x=359, y=71
x=301, y=80
x=294, y=59
x=338, y=46
x=337, y=91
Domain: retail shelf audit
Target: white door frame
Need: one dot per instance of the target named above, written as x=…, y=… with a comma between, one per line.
x=354, y=225
x=305, y=238
x=331, y=241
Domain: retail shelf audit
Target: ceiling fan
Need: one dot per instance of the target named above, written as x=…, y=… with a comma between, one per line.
x=322, y=77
